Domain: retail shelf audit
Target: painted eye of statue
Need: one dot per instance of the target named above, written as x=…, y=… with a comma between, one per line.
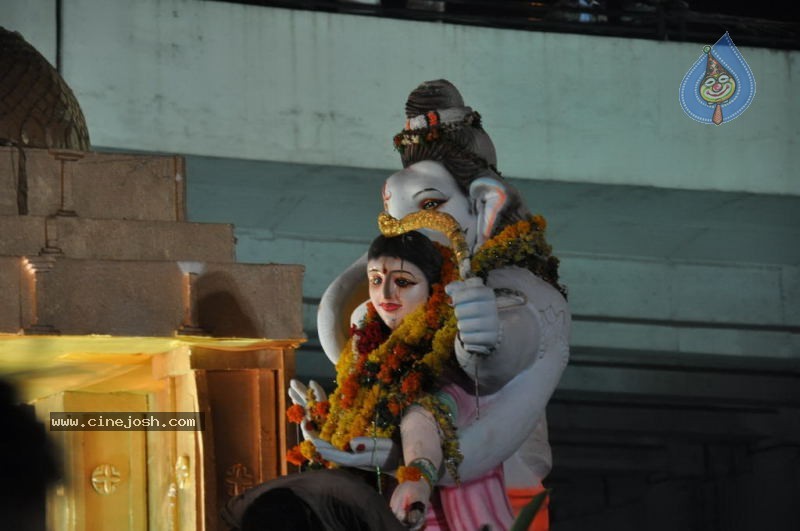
x=404, y=282
x=376, y=281
x=723, y=78
x=431, y=204
x=708, y=82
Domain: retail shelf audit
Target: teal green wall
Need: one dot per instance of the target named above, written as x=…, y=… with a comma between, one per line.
x=237, y=81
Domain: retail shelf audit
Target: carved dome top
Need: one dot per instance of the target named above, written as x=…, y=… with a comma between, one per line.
x=37, y=107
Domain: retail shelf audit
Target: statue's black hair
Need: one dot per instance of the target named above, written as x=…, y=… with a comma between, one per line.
x=413, y=247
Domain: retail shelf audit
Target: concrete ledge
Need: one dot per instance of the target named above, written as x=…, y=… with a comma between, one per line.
x=22, y=235
x=686, y=380
x=93, y=185
x=103, y=239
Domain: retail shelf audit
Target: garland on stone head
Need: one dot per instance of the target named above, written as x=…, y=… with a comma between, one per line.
x=520, y=244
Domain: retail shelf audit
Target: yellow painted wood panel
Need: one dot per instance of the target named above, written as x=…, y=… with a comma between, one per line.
x=105, y=472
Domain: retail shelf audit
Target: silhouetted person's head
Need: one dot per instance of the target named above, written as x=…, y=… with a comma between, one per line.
x=280, y=510
x=27, y=464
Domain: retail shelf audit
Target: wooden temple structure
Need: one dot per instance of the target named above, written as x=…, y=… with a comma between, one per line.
x=113, y=302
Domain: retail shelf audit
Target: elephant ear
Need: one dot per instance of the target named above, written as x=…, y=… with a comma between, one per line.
x=343, y=296
x=489, y=195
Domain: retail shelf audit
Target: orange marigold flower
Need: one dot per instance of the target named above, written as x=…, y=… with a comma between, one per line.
x=349, y=391
x=296, y=413
x=385, y=374
x=408, y=473
x=395, y=408
x=433, y=312
x=393, y=362
x=411, y=383
x=540, y=221
x=321, y=409
x=295, y=456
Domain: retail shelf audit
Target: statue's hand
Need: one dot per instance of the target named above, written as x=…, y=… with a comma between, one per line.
x=367, y=452
x=475, y=306
x=298, y=394
x=410, y=502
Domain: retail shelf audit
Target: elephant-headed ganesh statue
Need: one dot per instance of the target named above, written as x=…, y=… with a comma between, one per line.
x=512, y=316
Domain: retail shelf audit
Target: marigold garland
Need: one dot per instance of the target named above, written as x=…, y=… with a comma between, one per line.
x=522, y=244
x=376, y=386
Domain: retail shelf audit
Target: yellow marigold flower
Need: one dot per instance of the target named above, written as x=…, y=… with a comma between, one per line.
x=308, y=450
